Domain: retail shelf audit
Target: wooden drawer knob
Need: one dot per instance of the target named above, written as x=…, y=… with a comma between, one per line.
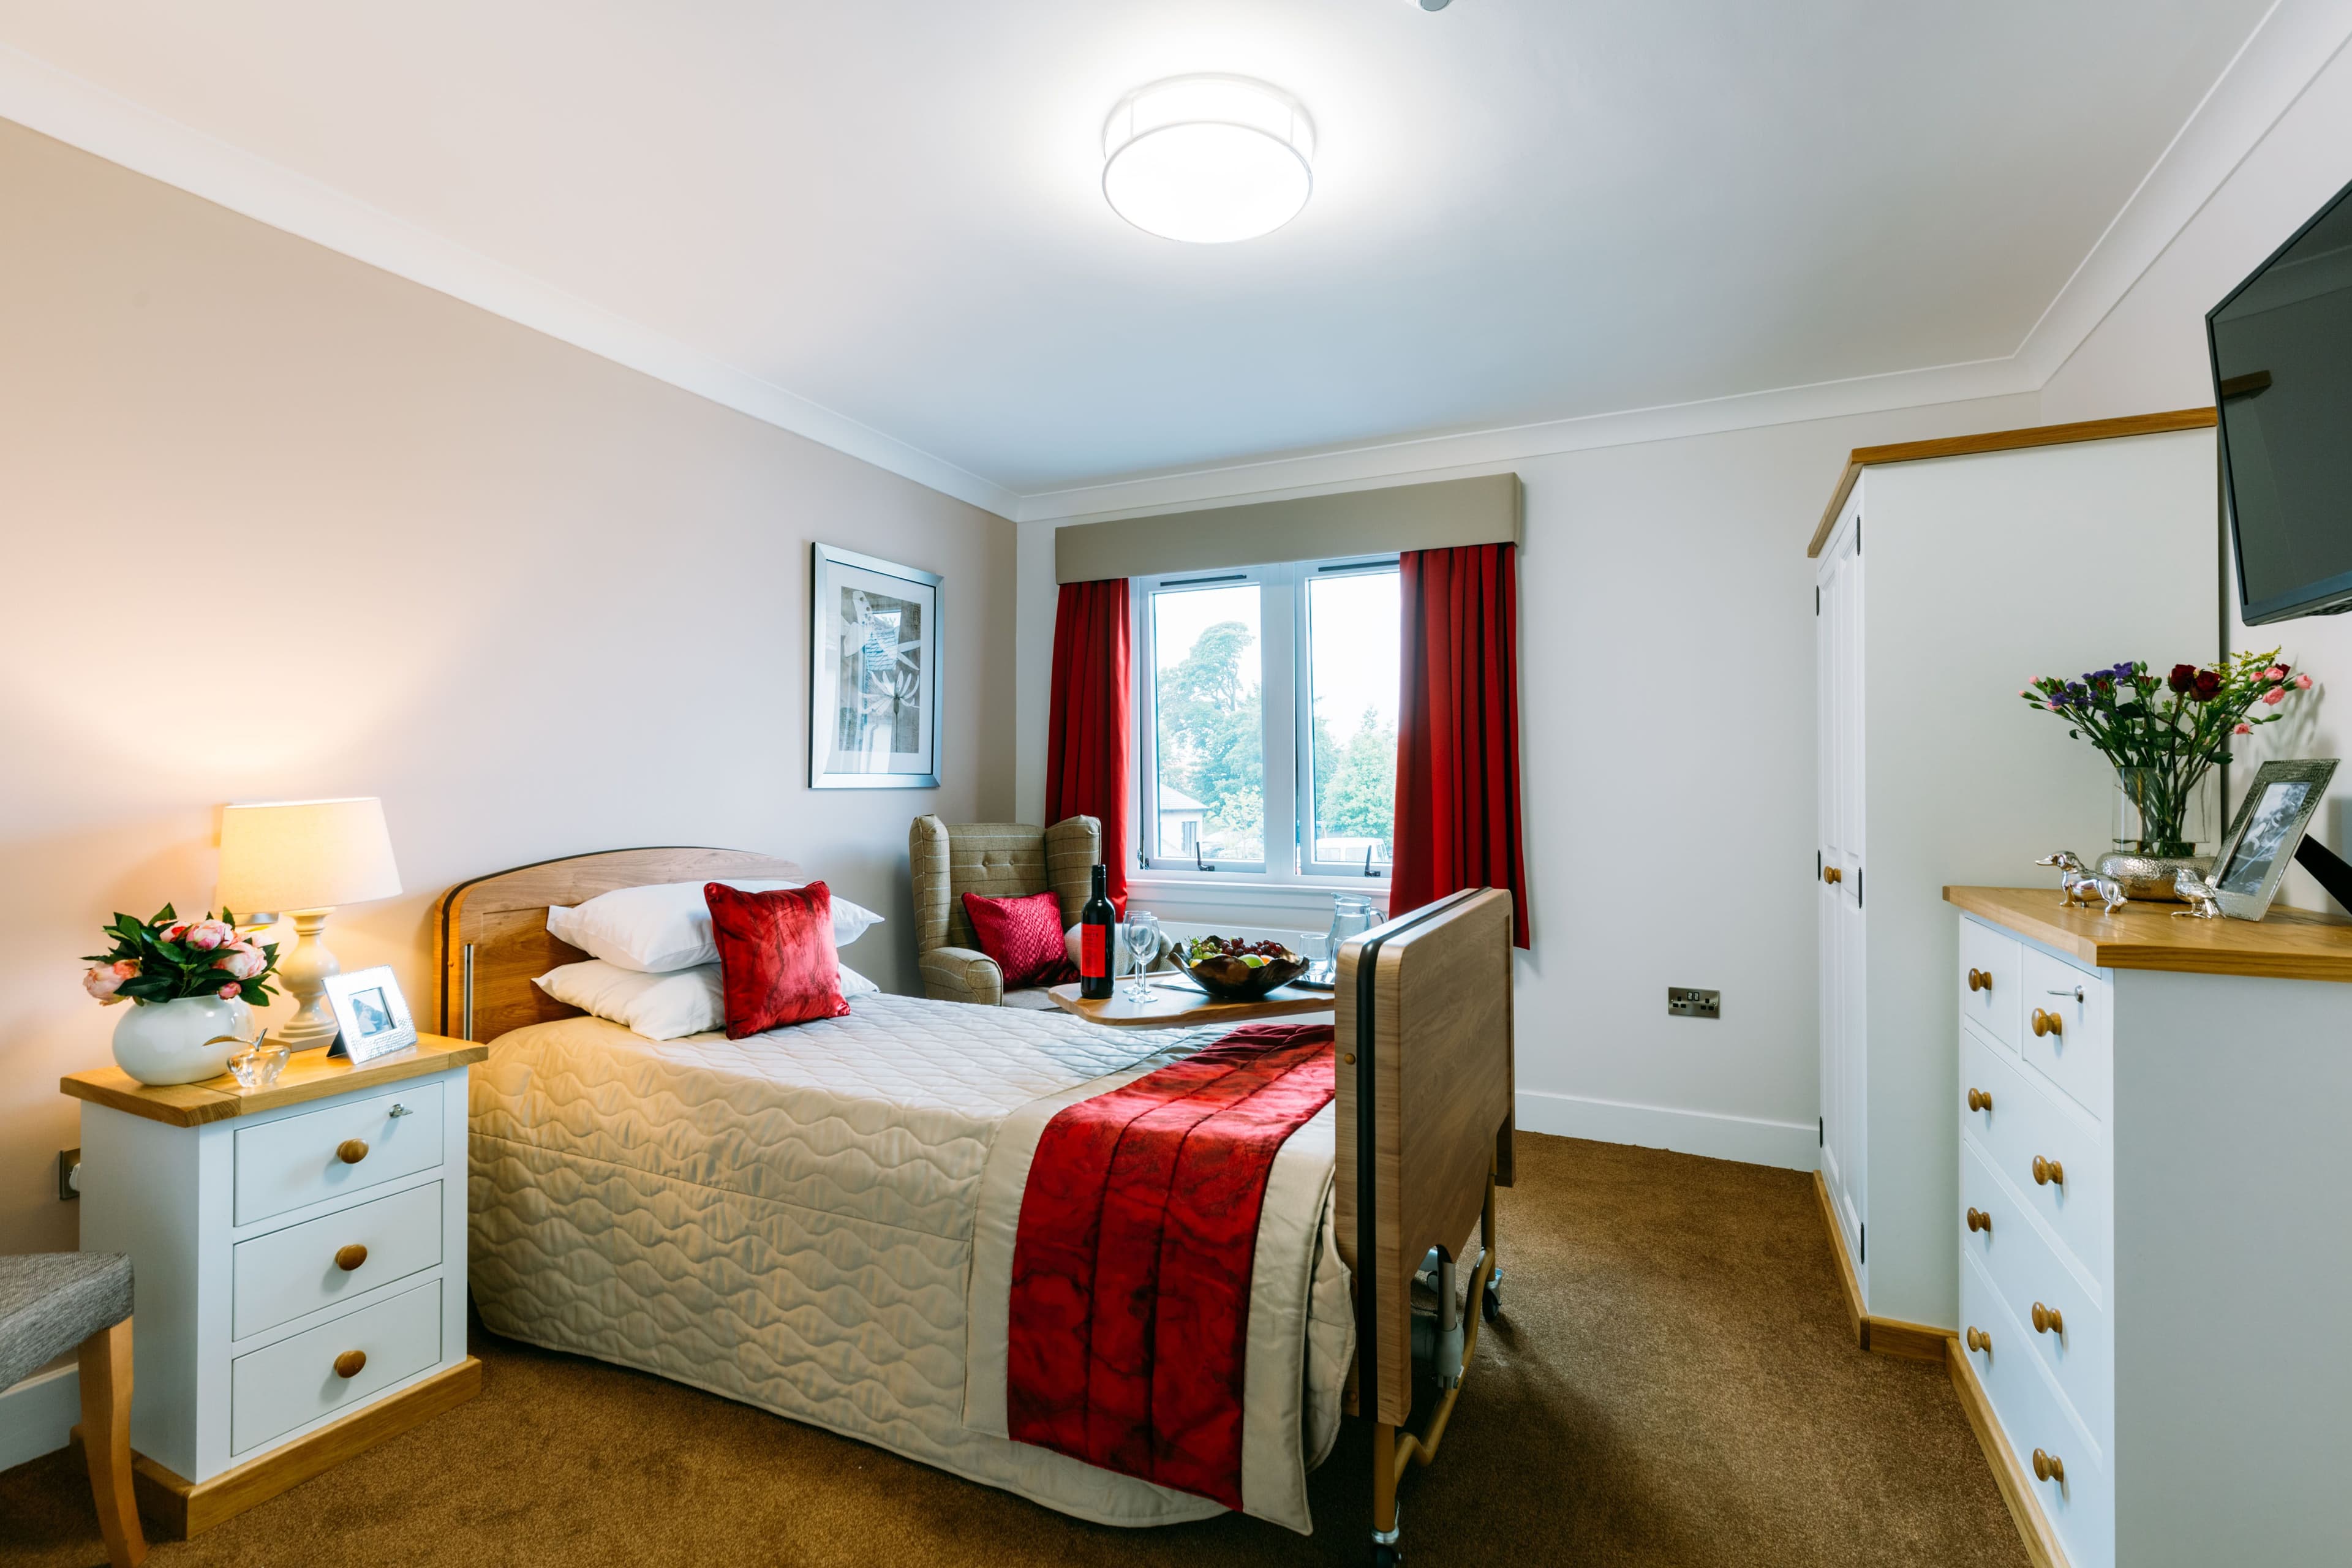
x=1980, y=1220
x=1979, y=981
x=349, y=1363
x=2049, y=1467
x=2049, y=1173
x=2048, y=1319
x=350, y=1257
x=352, y=1150
x=2048, y=1024
x=1979, y=1100
x=1979, y=1341
x=1831, y=874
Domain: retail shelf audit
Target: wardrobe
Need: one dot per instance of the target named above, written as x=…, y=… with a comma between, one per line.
x=1948, y=573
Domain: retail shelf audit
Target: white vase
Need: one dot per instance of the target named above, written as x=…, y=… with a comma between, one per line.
x=165, y=1042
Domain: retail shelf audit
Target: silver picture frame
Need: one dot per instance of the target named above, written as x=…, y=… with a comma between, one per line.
x=2264, y=837
x=372, y=1016
x=874, y=672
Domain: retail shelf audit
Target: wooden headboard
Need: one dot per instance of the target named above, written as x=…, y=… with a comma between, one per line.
x=493, y=930
x=1424, y=1025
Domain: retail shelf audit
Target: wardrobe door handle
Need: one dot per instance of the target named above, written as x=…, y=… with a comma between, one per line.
x=1979, y=1100
x=2049, y=1321
x=348, y=1365
x=350, y=1257
x=2049, y=1467
x=1979, y=1341
x=352, y=1150
x=1832, y=876
x=1980, y=1220
x=2048, y=1024
x=2048, y=1173
x=1979, y=981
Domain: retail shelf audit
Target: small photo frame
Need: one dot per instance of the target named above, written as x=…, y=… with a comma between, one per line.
x=372, y=1014
x=2269, y=828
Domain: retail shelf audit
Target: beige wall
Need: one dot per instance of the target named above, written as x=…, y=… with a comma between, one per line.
x=278, y=524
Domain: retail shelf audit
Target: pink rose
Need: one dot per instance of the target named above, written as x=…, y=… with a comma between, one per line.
x=242, y=961
x=2243, y=729
x=2274, y=673
x=206, y=935
x=228, y=992
x=2302, y=683
x=2274, y=696
x=103, y=982
x=173, y=932
x=2053, y=707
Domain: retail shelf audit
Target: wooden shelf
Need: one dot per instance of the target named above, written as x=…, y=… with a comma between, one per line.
x=310, y=1076
x=2287, y=944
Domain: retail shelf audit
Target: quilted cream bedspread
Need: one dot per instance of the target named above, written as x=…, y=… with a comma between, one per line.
x=818, y=1221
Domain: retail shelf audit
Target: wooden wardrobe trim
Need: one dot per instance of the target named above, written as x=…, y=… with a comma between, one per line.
x=2000, y=441
x=1883, y=1336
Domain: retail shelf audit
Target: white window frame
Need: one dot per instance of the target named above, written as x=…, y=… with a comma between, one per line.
x=1302, y=742
x=1287, y=742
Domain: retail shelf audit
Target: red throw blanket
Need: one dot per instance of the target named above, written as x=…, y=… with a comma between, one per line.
x=1131, y=1266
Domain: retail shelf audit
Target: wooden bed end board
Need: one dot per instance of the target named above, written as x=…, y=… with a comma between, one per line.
x=504, y=917
x=1442, y=1046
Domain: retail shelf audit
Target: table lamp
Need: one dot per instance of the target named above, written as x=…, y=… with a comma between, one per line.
x=302, y=858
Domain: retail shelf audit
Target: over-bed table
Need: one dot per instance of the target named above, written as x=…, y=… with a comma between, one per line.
x=821, y=1220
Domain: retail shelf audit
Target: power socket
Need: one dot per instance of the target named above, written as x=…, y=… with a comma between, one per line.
x=69, y=1174
x=1684, y=1002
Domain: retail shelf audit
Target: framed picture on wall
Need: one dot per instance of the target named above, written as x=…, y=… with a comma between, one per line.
x=874, y=673
x=2268, y=829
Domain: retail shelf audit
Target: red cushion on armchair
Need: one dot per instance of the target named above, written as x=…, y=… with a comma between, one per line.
x=777, y=963
x=1024, y=937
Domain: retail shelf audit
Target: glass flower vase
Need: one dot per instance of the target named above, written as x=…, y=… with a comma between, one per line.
x=2161, y=826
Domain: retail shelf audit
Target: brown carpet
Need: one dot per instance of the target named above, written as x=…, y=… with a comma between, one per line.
x=1672, y=1384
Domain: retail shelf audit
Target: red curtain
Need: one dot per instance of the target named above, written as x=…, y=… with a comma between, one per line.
x=1457, y=779
x=1087, y=747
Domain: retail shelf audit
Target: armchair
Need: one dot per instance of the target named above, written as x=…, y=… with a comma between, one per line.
x=997, y=861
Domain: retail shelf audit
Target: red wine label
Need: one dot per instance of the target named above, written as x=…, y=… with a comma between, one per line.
x=1094, y=951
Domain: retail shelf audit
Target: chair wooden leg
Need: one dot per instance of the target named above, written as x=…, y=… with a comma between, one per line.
x=105, y=1441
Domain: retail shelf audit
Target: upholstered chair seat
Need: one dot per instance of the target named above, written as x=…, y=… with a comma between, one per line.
x=52, y=1302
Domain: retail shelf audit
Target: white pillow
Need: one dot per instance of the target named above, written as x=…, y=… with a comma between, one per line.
x=659, y=1006
x=665, y=927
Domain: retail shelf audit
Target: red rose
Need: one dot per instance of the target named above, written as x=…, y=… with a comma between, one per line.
x=2207, y=685
x=2183, y=678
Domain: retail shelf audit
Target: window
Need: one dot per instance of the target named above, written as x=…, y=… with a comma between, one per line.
x=1267, y=711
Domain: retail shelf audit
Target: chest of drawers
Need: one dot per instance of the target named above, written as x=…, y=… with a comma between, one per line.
x=2155, y=1227
x=300, y=1258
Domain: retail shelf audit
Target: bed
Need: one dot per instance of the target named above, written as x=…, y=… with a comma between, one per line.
x=822, y=1221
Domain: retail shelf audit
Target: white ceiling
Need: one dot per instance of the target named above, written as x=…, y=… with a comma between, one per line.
x=1525, y=210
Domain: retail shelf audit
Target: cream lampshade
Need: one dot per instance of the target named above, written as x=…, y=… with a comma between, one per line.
x=303, y=858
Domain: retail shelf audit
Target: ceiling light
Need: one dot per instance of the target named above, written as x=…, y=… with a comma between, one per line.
x=1208, y=159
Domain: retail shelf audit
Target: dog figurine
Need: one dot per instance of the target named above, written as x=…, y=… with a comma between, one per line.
x=2078, y=884
x=2204, y=905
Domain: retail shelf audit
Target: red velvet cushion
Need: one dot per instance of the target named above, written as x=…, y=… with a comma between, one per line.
x=1024, y=937
x=776, y=959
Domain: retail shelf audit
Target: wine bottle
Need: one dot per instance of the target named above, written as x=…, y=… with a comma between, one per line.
x=1095, y=924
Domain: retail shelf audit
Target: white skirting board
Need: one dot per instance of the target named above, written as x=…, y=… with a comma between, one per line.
x=1751, y=1141
x=38, y=1413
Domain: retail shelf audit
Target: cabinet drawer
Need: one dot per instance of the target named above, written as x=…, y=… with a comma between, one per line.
x=2077, y=1052
x=287, y=1164
x=2029, y=1120
x=2080, y=1351
x=1993, y=956
x=287, y=1273
x=280, y=1388
x=2082, y=1507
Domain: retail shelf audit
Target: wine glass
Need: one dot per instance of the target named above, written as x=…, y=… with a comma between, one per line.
x=1143, y=936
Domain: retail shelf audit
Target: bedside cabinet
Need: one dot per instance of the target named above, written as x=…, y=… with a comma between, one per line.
x=299, y=1254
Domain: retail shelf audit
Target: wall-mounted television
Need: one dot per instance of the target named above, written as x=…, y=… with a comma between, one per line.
x=2282, y=351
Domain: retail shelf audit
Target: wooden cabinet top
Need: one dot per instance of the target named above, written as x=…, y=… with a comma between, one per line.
x=310, y=1075
x=2287, y=944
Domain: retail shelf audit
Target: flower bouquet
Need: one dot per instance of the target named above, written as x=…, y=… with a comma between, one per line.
x=193, y=981
x=2164, y=734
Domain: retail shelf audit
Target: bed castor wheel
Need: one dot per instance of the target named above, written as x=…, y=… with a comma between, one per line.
x=1386, y=1556
x=1490, y=1300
